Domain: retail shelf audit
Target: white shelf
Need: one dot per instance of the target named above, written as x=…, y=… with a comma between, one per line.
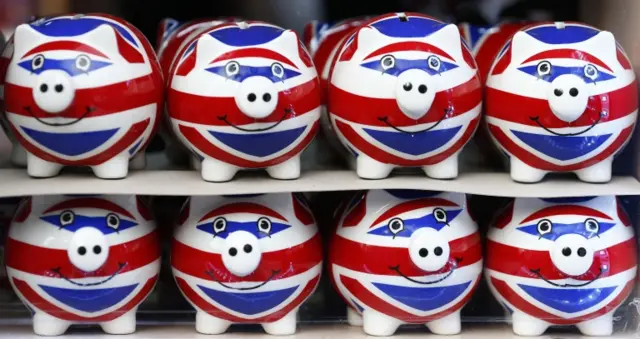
x=15, y=182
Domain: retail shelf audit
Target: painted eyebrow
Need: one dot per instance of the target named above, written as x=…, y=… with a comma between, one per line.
x=567, y=53
x=410, y=46
x=254, y=52
x=566, y=210
x=243, y=207
x=412, y=205
x=65, y=45
x=90, y=203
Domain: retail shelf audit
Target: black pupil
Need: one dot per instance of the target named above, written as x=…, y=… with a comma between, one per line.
x=395, y=225
x=277, y=70
x=113, y=220
x=592, y=225
x=38, y=61
x=590, y=71
x=232, y=68
x=66, y=217
x=439, y=215
x=434, y=62
x=387, y=62
x=219, y=224
x=544, y=68
x=264, y=224
x=544, y=227
x=82, y=62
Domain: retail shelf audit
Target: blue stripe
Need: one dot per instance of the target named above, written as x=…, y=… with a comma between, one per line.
x=412, y=194
x=417, y=143
x=249, y=303
x=71, y=27
x=71, y=144
x=250, y=71
x=558, y=230
x=414, y=27
x=557, y=71
x=133, y=149
x=89, y=300
x=412, y=225
x=403, y=65
x=81, y=221
x=567, y=35
x=423, y=298
x=249, y=226
x=66, y=65
x=568, y=300
x=260, y=144
x=253, y=35
x=562, y=147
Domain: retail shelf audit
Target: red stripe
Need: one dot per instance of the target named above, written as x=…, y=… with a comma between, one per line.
x=536, y=162
x=204, y=305
x=254, y=52
x=410, y=46
x=120, y=146
x=65, y=45
x=622, y=59
x=128, y=52
x=42, y=304
x=188, y=64
x=568, y=53
x=243, y=207
x=364, y=146
x=368, y=110
x=23, y=210
x=374, y=259
x=375, y=302
x=144, y=211
x=622, y=214
x=519, y=262
x=301, y=211
x=89, y=203
x=327, y=45
x=504, y=217
x=357, y=213
x=502, y=63
x=468, y=58
x=412, y=205
x=204, y=146
x=565, y=210
x=188, y=107
x=135, y=253
x=503, y=105
x=290, y=262
x=492, y=45
x=518, y=302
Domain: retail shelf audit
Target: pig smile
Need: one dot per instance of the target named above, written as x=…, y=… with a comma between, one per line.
x=287, y=111
x=536, y=119
x=453, y=268
x=120, y=267
x=385, y=119
x=88, y=111
x=212, y=276
x=537, y=273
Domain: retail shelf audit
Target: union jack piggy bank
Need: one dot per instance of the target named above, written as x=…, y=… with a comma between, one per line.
x=82, y=259
x=404, y=92
x=245, y=95
x=403, y=256
x=247, y=259
x=561, y=97
x=567, y=261
x=82, y=90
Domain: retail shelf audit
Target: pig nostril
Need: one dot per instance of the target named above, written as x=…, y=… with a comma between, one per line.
x=422, y=89
x=407, y=86
x=558, y=92
x=44, y=88
x=423, y=252
x=582, y=252
x=82, y=250
x=437, y=251
x=573, y=92
x=233, y=251
x=566, y=251
x=251, y=97
x=97, y=249
x=59, y=88
x=248, y=248
x=266, y=97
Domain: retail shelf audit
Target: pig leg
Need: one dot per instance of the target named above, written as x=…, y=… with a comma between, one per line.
x=217, y=171
x=526, y=325
x=208, y=324
x=114, y=168
x=40, y=168
x=46, y=325
x=124, y=324
x=378, y=324
x=600, y=326
x=287, y=170
x=445, y=169
x=447, y=325
x=18, y=155
x=522, y=172
x=598, y=173
x=284, y=326
x=368, y=168
x=353, y=317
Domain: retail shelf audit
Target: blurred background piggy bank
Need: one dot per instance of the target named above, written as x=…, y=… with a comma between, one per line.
x=404, y=92
x=82, y=91
x=247, y=259
x=90, y=259
x=401, y=256
x=568, y=261
x=245, y=95
x=561, y=98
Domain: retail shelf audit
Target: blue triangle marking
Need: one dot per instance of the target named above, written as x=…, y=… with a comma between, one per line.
x=71, y=144
x=414, y=144
x=562, y=147
x=568, y=300
x=249, y=303
x=423, y=298
x=259, y=144
x=89, y=300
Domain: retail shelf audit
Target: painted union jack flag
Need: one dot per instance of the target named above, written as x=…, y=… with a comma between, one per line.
x=90, y=259
x=245, y=94
x=566, y=261
x=247, y=259
x=82, y=90
x=404, y=91
x=561, y=97
x=402, y=256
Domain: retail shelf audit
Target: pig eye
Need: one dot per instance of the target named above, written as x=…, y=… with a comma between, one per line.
x=543, y=68
x=83, y=63
x=277, y=70
x=113, y=221
x=592, y=225
x=440, y=215
x=219, y=225
x=396, y=225
x=232, y=68
x=66, y=218
x=387, y=61
x=590, y=71
x=544, y=226
x=434, y=62
x=37, y=62
x=264, y=225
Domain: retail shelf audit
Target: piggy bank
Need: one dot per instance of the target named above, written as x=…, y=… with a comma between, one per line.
x=404, y=92
x=82, y=90
x=403, y=256
x=561, y=97
x=262, y=98
x=563, y=261
x=82, y=259
x=247, y=259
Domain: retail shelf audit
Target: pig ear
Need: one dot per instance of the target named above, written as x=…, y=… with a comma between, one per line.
x=104, y=39
x=25, y=38
x=449, y=39
x=367, y=36
x=604, y=46
x=523, y=46
x=288, y=41
x=206, y=48
x=165, y=28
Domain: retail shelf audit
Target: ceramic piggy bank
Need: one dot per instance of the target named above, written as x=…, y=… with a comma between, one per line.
x=18, y=154
x=561, y=97
x=82, y=90
x=401, y=256
x=404, y=92
x=569, y=261
x=243, y=96
x=82, y=259
x=247, y=259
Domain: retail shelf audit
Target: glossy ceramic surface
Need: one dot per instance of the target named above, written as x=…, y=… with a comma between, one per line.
x=401, y=256
x=247, y=259
x=82, y=90
x=262, y=98
x=568, y=261
x=404, y=92
x=90, y=259
x=561, y=97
